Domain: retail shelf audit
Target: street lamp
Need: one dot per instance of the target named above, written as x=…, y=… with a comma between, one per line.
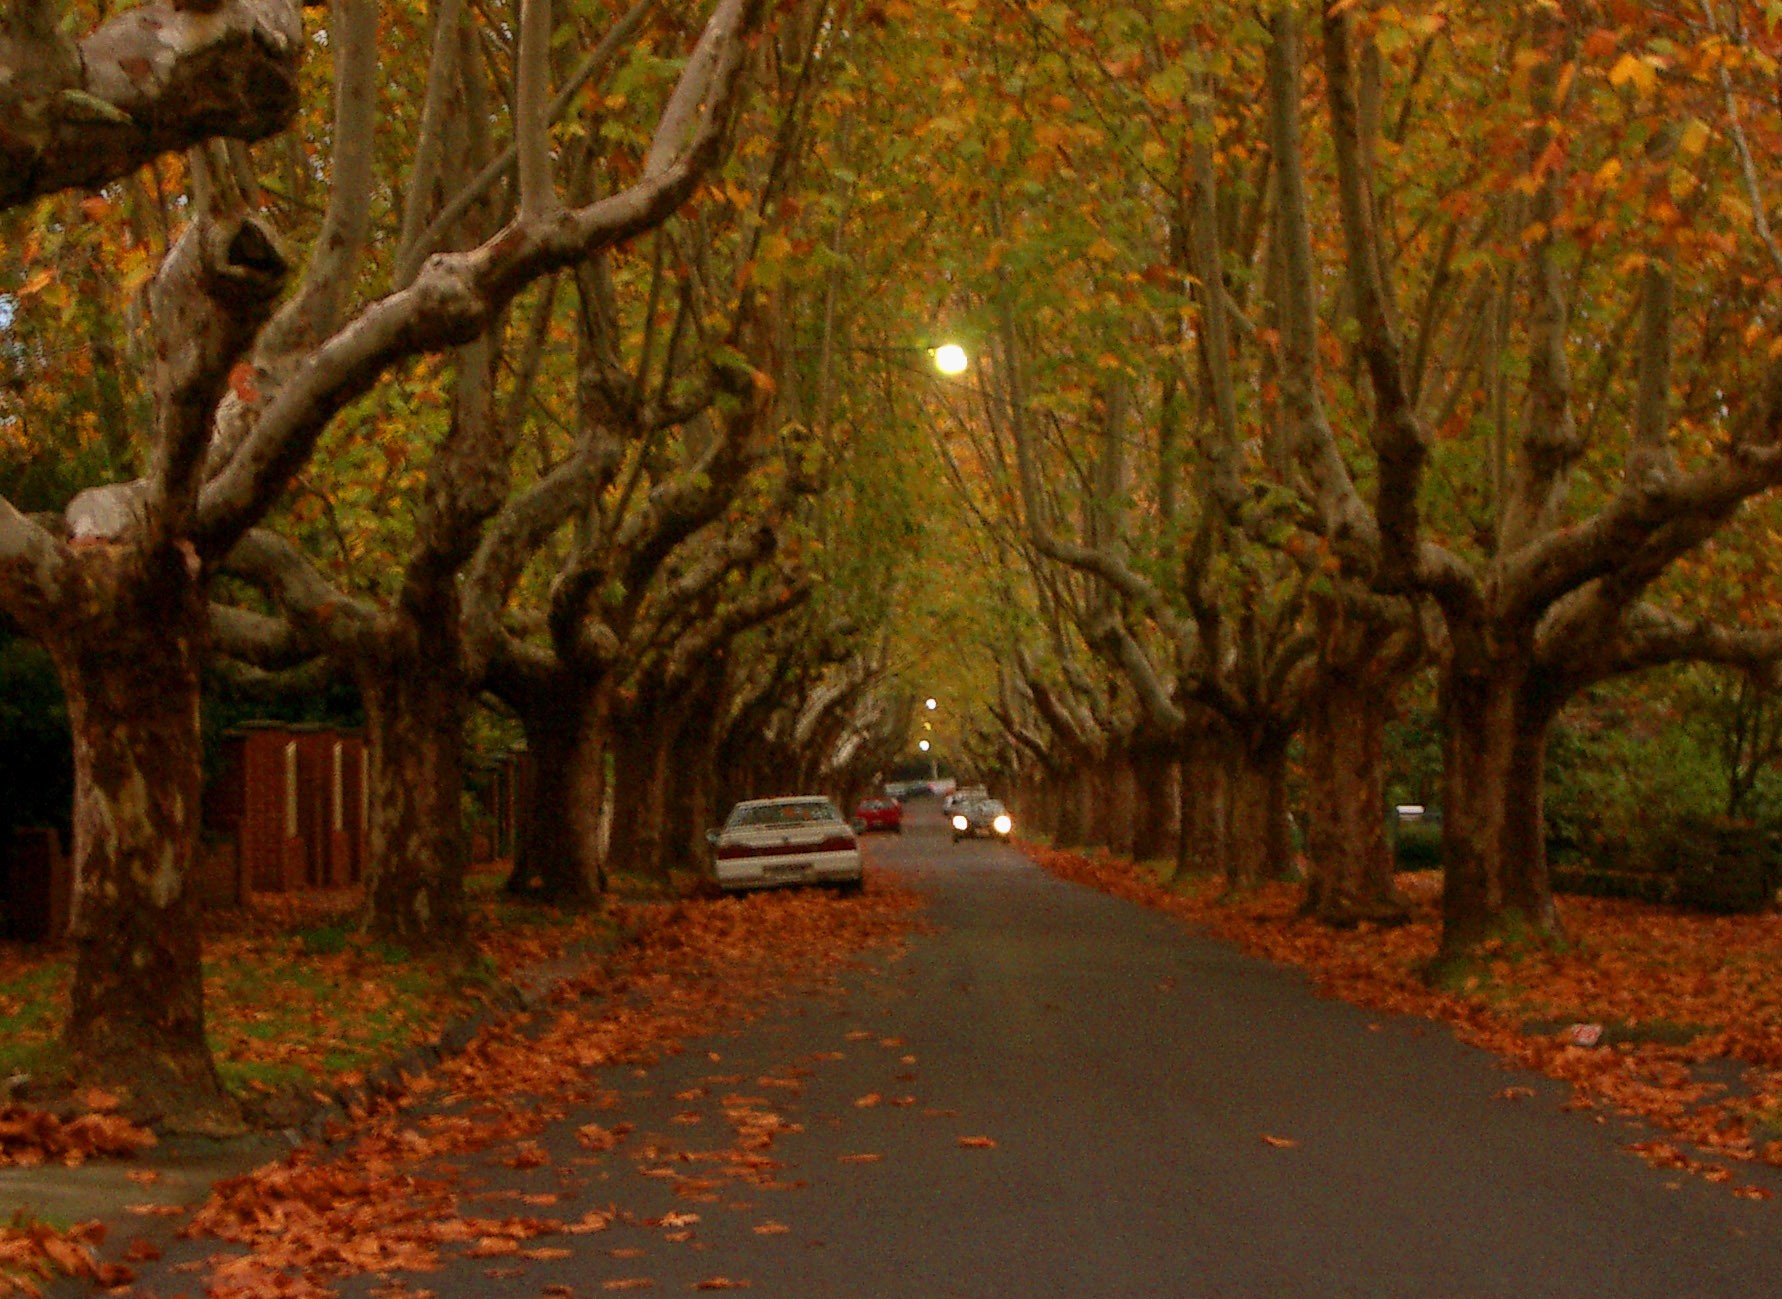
x=932, y=705
x=950, y=358
x=923, y=745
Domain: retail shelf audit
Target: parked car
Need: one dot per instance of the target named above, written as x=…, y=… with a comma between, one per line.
x=984, y=816
x=801, y=840
x=879, y=814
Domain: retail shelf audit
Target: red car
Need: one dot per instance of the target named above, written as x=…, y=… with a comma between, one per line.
x=879, y=814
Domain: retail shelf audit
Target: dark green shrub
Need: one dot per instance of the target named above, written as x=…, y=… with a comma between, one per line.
x=1721, y=866
x=1417, y=845
x=36, y=753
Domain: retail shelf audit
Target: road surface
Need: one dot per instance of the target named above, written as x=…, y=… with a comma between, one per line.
x=1131, y=1076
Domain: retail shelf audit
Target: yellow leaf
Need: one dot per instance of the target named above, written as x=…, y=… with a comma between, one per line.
x=1695, y=137
x=1633, y=68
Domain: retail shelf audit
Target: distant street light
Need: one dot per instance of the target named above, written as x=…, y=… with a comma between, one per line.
x=923, y=746
x=932, y=705
x=950, y=358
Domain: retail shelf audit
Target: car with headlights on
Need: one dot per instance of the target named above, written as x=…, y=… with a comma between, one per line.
x=984, y=817
x=799, y=840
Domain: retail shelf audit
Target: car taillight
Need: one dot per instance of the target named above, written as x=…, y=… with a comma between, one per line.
x=731, y=851
x=837, y=843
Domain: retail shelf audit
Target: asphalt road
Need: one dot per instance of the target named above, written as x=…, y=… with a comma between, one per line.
x=1128, y=1074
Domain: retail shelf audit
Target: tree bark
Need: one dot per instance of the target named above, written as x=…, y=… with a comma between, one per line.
x=130, y=671
x=1351, y=863
x=1205, y=815
x=1491, y=807
x=557, y=858
x=1528, y=884
x=1070, y=830
x=1257, y=842
x=417, y=849
x=640, y=791
x=1157, y=824
x=1121, y=801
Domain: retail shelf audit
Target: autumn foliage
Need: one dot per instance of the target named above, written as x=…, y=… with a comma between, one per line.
x=387, y=1194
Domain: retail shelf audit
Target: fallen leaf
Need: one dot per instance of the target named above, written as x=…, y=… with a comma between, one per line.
x=860, y=1159
x=1280, y=1143
x=628, y=1283
x=867, y=1101
x=771, y=1229
x=720, y=1283
x=1515, y=1093
x=978, y=1143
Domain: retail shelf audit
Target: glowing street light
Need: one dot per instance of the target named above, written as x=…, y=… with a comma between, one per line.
x=950, y=358
x=923, y=746
x=932, y=705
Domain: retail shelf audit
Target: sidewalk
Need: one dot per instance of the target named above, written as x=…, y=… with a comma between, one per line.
x=141, y=1202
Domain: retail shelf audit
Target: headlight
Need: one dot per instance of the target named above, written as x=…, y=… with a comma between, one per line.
x=960, y=823
x=1003, y=824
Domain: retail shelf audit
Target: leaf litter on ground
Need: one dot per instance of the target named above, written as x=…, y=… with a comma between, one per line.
x=387, y=1196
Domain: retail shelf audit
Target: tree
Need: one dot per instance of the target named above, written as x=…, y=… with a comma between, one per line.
x=242, y=394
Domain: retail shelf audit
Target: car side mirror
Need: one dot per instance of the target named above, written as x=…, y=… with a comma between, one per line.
x=712, y=837
x=859, y=825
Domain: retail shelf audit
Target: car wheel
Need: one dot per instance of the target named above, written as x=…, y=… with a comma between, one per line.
x=850, y=888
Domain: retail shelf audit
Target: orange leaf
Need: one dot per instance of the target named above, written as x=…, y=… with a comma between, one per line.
x=1280, y=1143
x=978, y=1143
x=860, y=1159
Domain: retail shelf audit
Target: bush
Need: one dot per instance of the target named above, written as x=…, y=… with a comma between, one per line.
x=1722, y=866
x=36, y=753
x=1417, y=845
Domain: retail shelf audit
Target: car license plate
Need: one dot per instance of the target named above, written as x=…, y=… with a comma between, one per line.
x=789, y=868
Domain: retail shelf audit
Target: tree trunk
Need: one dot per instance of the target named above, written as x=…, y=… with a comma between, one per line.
x=693, y=783
x=1528, y=884
x=1205, y=814
x=1121, y=801
x=1071, y=831
x=1156, y=827
x=1493, y=750
x=1350, y=857
x=640, y=791
x=131, y=677
x=1258, y=844
x=557, y=858
x=414, y=739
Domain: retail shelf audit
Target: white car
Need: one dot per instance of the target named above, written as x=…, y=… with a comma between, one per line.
x=960, y=797
x=802, y=840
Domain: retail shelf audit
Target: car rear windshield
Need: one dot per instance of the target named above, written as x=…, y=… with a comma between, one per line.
x=784, y=814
